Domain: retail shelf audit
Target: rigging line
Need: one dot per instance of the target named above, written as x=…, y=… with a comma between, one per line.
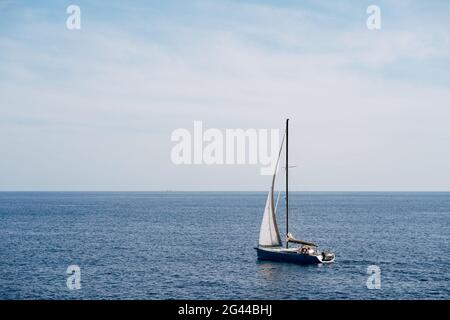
x=278, y=198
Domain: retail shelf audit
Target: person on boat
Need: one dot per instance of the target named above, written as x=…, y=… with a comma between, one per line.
x=307, y=250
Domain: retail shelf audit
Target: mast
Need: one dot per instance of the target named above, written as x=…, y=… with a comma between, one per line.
x=287, y=185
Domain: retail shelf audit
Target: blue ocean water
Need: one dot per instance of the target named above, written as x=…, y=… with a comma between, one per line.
x=169, y=245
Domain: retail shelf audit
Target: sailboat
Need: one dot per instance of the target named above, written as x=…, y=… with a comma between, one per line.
x=270, y=246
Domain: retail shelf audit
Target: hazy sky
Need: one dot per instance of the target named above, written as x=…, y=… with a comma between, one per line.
x=93, y=109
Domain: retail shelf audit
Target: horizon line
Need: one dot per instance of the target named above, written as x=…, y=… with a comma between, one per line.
x=234, y=191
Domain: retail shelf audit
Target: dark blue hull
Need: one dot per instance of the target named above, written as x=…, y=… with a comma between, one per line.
x=292, y=257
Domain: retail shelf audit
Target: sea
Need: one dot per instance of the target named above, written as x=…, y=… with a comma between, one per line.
x=200, y=245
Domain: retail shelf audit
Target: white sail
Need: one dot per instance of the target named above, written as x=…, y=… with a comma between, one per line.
x=268, y=234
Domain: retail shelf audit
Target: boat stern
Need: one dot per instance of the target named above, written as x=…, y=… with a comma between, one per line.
x=327, y=257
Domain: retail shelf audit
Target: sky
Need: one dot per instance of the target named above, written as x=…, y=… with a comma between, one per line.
x=94, y=109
